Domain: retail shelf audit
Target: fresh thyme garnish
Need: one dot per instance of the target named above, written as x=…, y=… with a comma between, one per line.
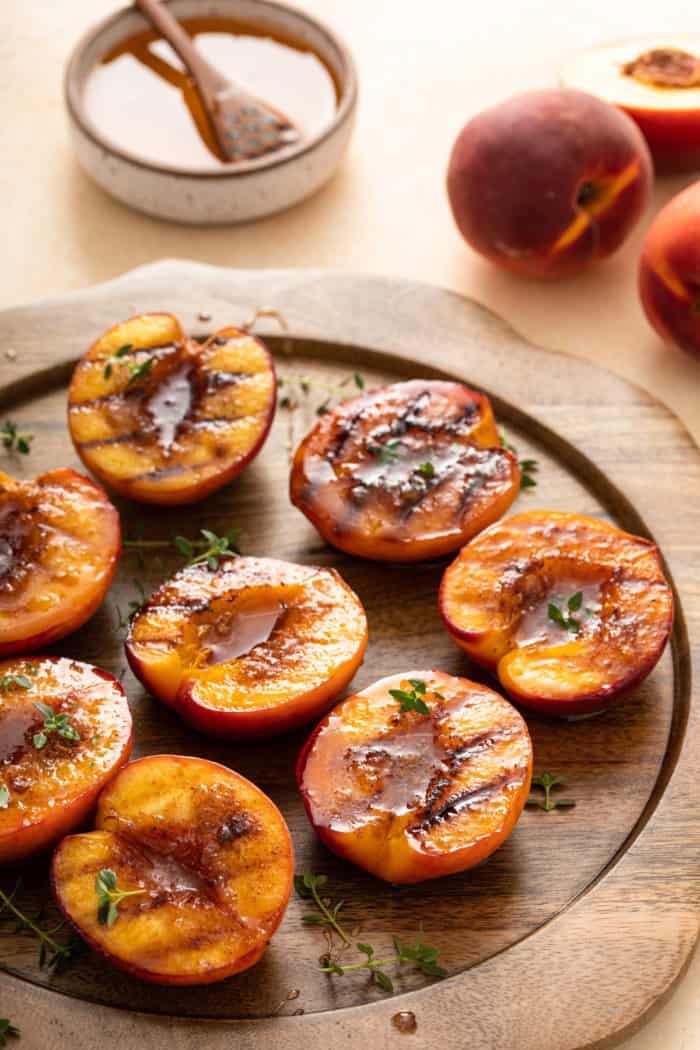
x=565, y=619
x=427, y=470
x=109, y=367
x=109, y=897
x=527, y=466
x=139, y=371
x=307, y=887
x=388, y=453
x=210, y=548
x=15, y=440
x=4, y=796
x=124, y=619
x=547, y=781
x=53, y=723
x=412, y=700
x=52, y=954
x=424, y=957
x=305, y=384
x=6, y=1028
x=19, y=680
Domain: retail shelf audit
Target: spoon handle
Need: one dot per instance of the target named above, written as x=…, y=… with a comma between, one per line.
x=208, y=78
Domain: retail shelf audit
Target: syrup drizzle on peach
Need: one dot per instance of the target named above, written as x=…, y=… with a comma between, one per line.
x=51, y=789
x=60, y=542
x=495, y=598
x=411, y=797
x=257, y=647
x=404, y=472
x=183, y=426
x=212, y=856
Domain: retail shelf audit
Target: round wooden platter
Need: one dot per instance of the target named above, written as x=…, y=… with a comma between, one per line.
x=573, y=932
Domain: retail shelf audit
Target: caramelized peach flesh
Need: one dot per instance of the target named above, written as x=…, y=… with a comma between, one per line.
x=210, y=855
x=409, y=796
x=404, y=472
x=656, y=81
x=60, y=542
x=500, y=597
x=256, y=647
x=163, y=419
x=669, y=271
x=547, y=182
x=49, y=786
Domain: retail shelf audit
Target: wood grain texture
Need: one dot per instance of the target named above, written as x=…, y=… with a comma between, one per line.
x=579, y=926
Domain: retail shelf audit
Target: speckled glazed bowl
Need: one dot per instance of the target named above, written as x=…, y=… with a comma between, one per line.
x=221, y=194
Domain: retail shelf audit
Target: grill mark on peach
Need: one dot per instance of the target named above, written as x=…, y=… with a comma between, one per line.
x=475, y=795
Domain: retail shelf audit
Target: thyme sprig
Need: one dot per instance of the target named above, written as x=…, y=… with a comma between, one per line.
x=54, y=955
x=109, y=897
x=137, y=369
x=547, y=781
x=6, y=1029
x=412, y=699
x=53, y=723
x=19, y=681
x=137, y=603
x=564, y=618
x=15, y=440
x=210, y=548
x=421, y=955
x=304, y=384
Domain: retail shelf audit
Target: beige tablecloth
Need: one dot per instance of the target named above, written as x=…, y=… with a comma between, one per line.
x=424, y=69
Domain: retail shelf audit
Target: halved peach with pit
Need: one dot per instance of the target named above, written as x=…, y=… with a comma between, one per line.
x=422, y=792
x=205, y=858
x=60, y=542
x=405, y=472
x=569, y=611
x=656, y=80
x=65, y=729
x=257, y=646
x=163, y=419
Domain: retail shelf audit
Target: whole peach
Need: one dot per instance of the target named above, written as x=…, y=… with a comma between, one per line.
x=548, y=181
x=669, y=271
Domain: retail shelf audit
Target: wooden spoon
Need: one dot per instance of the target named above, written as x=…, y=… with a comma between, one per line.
x=243, y=126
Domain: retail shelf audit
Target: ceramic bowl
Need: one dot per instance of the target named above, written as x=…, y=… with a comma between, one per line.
x=222, y=194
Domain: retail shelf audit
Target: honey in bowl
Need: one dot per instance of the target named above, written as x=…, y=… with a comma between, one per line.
x=141, y=97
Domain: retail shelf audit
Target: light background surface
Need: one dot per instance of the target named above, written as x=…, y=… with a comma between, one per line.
x=424, y=68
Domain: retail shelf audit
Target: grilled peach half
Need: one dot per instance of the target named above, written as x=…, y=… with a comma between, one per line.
x=570, y=612
x=409, y=795
x=256, y=647
x=163, y=419
x=405, y=472
x=55, y=758
x=60, y=542
x=205, y=857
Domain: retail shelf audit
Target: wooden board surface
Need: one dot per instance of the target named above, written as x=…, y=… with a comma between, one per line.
x=573, y=932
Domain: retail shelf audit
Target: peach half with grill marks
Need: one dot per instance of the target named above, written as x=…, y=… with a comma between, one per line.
x=65, y=729
x=416, y=793
x=256, y=647
x=405, y=472
x=206, y=861
x=570, y=612
x=60, y=541
x=163, y=419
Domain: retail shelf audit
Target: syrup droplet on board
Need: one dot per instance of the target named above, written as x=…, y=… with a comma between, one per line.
x=405, y=1022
